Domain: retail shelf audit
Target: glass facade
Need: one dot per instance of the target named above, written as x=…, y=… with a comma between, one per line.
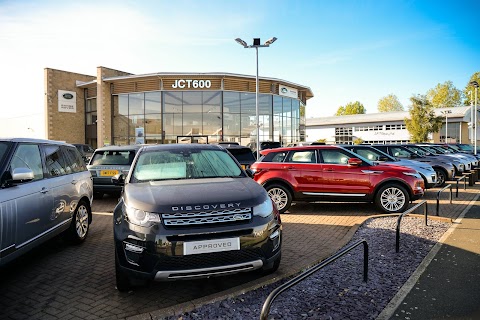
x=209, y=116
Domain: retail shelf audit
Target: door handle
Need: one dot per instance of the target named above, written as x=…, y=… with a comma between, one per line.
x=328, y=170
x=44, y=190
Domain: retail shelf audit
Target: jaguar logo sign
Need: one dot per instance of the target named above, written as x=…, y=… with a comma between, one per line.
x=288, y=91
x=284, y=90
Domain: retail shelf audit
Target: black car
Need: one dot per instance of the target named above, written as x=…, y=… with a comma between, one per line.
x=244, y=155
x=85, y=150
x=188, y=211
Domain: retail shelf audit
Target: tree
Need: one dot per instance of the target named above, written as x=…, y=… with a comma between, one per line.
x=469, y=91
x=389, y=103
x=358, y=141
x=351, y=108
x=423, y=120
x=445, y=95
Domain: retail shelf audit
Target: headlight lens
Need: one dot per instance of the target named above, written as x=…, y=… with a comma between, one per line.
x=264, y=209
x=140, y=217
x=413, y=174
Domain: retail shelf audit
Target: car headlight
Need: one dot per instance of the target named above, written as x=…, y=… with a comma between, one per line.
x=413, y=174
x=264, y=209
x=140, y=217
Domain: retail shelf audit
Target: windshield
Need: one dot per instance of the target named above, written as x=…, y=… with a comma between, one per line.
x=373, y=154
x=122, y=158
x=184, y=164
x=417, y=150
x=465, y=147
x=400, y=152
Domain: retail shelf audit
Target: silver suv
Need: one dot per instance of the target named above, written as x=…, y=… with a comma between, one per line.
x=45, y=190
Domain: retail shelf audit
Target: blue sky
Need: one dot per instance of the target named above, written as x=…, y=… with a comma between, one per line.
x=345, y=51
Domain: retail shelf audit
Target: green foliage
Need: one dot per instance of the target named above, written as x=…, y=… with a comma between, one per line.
x=389, y=103
x=423, y=120
x=351, y=108
x=358, y=141
x=445, y=95
x=469, y=91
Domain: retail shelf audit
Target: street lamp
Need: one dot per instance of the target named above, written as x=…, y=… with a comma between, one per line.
x=445, y=113
x=256, y=44
x=475, y=84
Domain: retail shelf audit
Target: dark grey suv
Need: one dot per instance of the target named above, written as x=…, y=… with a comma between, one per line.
x=45, y=190
x=189, y=211
x=107, y=162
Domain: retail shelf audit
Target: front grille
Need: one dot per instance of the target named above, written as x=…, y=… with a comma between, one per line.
x=209, y=260
x=206, y=217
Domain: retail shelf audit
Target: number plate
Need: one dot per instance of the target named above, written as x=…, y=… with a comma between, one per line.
x=207, y=246
x=108, y=173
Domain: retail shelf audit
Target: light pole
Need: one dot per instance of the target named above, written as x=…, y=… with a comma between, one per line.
x=256, y=44
x=445, y=113
x=475, y=84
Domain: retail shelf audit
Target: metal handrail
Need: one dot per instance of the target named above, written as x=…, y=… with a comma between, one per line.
x=399, y=220
x=464, y=184
x=287, y=285
x=438, y=196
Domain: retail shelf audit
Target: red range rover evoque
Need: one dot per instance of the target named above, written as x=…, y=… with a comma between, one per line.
x=332, y=173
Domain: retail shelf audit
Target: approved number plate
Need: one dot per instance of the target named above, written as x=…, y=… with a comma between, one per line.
x=108, y=173
x=207, y=246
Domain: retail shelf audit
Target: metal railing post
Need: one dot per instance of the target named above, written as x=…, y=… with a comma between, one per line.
x=451, y=196
x=276, y=292
x=399, y=220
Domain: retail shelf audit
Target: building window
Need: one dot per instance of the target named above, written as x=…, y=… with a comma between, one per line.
x=343, y=135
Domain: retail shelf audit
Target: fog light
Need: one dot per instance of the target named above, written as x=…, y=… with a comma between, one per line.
x=132, y=248
x=275, y=237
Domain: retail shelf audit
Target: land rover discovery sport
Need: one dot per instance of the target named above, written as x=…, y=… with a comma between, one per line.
x=189, y=211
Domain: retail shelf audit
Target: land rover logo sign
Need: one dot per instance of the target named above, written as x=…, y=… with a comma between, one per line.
x=67, y=101
x=288, y=91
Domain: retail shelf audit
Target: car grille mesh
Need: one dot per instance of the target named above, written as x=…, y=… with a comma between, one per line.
x=207, y=217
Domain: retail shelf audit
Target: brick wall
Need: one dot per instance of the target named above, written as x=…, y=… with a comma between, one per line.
x=64, y=126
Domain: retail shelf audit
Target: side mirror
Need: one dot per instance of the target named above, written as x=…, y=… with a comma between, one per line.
x=20, y=175
x=118, y=179
x=249, y=172
x=354, y=162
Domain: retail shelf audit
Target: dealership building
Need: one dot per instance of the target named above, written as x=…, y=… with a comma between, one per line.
x=389, y=127
x=118, y=108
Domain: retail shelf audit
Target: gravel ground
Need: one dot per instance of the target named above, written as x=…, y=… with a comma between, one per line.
x=337, y=291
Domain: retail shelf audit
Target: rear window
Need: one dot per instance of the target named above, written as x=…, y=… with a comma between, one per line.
x=243, y=154
x=106, y=157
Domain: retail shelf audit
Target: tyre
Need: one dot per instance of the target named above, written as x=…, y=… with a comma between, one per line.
x=392, y=198
x=441, y=177
x=280, y=195
x=122, y=281
x=79, y=226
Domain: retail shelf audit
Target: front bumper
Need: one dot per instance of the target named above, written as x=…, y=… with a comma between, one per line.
x=159, y=253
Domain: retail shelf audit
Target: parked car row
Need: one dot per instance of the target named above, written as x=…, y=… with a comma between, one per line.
x=188, y=211
x=333, y=173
